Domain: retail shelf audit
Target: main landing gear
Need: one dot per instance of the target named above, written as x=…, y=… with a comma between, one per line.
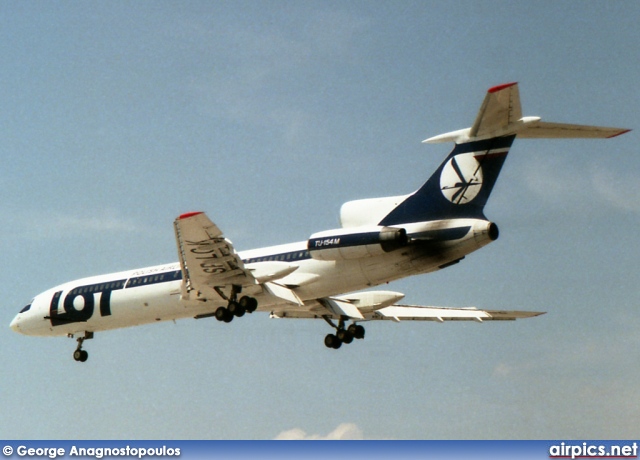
x=235, y=307
x=342, y=335
x=80, y=354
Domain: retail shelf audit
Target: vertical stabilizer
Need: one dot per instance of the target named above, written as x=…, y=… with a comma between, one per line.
x=461, y=186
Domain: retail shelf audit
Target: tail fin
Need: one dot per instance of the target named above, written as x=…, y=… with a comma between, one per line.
x=461, y=186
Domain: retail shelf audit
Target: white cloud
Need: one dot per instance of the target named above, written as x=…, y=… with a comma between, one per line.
x=51, y=225
x=249, y=64
x=621, y=190
x=561, y=183
x=501, y=370
x=344, y=431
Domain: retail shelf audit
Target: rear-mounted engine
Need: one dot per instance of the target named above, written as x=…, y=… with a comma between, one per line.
x=342, y=244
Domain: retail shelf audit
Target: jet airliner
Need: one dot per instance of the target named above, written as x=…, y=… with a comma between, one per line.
x=327, y=276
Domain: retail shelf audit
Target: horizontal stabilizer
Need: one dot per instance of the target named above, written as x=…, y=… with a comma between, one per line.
x=545, y=130
x=501, y=115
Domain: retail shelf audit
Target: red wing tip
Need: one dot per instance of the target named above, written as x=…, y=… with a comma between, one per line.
x=624, y=131
x=495, y=89
x=189, y=214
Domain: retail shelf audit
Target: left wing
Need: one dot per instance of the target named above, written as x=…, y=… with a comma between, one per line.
x=380, y=305
x=441, y=314
x=325, y=308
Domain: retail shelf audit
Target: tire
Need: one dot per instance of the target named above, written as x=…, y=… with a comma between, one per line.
x=345, y=336
x=331, y=341
x=77, y=355
x=249, y=303
x=236, y=309
x=220, y=313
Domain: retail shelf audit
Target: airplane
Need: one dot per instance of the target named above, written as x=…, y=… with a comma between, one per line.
x=328, y=275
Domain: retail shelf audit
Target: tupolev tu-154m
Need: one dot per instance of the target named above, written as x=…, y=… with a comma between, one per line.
x=326, y=276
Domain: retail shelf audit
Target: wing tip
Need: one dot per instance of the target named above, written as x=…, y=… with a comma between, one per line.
x=497, y=88
x=189, y=214
x=623, y=131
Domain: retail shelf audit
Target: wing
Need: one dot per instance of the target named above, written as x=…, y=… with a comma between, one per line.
x=207, y=259
x=399, y=313
x=441, y=314
x=380, y=305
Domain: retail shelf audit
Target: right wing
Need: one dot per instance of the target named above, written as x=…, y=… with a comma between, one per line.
x=213, y=270
x=207, y=259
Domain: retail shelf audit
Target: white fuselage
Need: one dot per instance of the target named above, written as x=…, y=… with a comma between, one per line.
x=153, y=294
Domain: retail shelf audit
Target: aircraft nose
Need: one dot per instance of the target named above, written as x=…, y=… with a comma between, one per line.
x=15, y=324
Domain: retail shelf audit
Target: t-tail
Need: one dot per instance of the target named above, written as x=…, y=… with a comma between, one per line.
x=462, y=184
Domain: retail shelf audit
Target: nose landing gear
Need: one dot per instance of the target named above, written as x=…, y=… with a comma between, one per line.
x=79, y=354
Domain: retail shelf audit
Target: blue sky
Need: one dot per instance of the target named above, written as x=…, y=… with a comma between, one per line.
x=119, y=116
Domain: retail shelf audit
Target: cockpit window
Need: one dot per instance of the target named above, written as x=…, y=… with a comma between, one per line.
x=25, y=308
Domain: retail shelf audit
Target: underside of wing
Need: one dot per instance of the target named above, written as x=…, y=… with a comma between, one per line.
x=441, y=314
x=207, y=259
x=380, y=305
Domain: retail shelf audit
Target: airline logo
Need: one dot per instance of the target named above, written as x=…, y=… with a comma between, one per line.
x=461, y=178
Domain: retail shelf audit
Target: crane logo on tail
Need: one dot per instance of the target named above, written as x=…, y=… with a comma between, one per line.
x=461, y=178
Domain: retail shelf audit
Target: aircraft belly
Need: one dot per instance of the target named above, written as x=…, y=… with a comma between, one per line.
x=391, y=266
x=336, y=277
x=145, y=305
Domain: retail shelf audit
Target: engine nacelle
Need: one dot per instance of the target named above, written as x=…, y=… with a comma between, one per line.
x=355, y=243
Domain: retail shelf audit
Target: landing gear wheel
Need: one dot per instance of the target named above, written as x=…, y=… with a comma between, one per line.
x=249, y=303
x=345, y=336
x=220, y=313
x=228, y=316
x=357, y=331
x=331, y=341
x=236, y=309
x=79, y=354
